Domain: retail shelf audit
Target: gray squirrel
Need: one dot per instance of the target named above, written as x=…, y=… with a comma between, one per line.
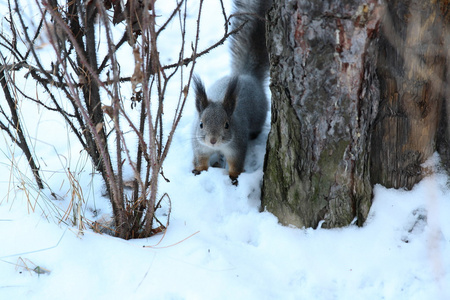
x=235, y=108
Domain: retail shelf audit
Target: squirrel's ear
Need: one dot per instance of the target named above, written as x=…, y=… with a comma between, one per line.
x=201, y=100
x=229, y=102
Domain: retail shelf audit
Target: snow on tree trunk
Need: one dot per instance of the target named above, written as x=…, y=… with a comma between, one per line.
x=411, y=70
x=324, y=101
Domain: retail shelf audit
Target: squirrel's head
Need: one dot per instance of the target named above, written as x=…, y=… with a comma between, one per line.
x=215, y=125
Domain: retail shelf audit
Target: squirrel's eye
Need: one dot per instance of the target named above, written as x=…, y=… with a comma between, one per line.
x=227, y=125
x=201, y=125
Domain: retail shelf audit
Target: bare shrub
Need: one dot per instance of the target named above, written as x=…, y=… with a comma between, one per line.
x=92, y=83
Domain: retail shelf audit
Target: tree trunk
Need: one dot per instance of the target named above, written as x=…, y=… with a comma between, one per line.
x=353, y=105
x=324, y=101
x=411, y=70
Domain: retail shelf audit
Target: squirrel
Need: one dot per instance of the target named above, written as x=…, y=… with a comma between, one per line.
x=235, y=108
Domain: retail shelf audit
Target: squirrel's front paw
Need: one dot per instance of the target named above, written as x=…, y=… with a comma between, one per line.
x=234, y=180
x=196, y=172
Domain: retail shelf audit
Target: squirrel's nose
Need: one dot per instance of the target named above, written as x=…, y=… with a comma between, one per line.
x=213, y=141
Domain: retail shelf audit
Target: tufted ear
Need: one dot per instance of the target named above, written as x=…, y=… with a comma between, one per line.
x=229, y=102
x=201, y=100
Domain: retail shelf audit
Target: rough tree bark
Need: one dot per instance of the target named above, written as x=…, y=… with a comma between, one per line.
x=353, y=105
x=411, y=69
x=324, y=100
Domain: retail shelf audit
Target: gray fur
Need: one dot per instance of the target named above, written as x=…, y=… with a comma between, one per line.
x=248, y=46
x=235, y=108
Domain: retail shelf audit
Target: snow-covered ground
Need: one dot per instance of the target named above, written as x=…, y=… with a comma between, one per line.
x=218, y=244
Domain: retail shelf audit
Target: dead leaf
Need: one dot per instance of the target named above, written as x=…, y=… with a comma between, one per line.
x=99, y=127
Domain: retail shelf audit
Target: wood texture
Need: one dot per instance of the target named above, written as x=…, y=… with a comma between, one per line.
x=411, y=70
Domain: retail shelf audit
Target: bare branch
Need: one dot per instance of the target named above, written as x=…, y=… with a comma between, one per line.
x=21, y=140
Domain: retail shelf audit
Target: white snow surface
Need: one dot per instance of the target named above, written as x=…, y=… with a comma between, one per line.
x=218, y=244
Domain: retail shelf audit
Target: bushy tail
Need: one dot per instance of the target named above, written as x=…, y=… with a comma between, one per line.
x=248, y=46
